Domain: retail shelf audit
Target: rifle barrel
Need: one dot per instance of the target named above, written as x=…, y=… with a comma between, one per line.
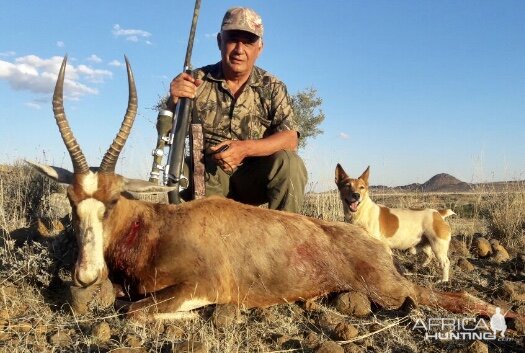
x=181, y=121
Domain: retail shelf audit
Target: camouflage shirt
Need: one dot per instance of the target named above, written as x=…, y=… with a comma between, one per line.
x=263, y=107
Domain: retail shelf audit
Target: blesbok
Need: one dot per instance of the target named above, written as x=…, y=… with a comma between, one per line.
x=180, y=257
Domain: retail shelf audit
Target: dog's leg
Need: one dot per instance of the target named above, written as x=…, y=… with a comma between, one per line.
x=427, y=250
x=440, y=248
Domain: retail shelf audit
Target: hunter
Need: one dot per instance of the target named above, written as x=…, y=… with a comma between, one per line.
x=250, y=134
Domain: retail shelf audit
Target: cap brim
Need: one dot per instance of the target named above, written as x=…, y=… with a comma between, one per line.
x=239, y=28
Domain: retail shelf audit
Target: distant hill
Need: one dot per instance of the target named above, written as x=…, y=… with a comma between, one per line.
x=442, y=182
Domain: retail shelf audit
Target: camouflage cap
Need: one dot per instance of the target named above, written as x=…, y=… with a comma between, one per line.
x=242, y=19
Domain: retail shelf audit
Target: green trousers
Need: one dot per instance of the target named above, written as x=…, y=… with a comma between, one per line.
x=278, y=180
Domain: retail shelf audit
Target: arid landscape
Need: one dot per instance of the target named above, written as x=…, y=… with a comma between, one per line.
x=38, y=249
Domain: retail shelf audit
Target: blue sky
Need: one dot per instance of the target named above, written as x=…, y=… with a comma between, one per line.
x=411, y=88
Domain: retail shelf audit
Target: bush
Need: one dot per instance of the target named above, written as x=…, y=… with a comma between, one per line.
x=505, y=214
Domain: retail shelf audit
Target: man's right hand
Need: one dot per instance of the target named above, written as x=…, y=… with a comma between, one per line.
x=184, y=85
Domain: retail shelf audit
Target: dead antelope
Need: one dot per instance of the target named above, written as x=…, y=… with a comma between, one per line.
x=176, y=258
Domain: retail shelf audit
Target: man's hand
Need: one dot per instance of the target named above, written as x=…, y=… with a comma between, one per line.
x=232, y=156
x=184, y=85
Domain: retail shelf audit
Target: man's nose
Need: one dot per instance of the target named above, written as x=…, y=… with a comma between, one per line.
x=238, y=46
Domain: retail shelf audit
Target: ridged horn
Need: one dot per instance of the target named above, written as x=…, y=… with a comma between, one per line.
x=80, y=165
x=110, y=158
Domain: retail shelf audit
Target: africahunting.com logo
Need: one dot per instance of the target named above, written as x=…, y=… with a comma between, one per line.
x=467, y=328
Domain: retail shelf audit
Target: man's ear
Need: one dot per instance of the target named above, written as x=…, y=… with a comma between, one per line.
x=219, y=40
x=261, y=47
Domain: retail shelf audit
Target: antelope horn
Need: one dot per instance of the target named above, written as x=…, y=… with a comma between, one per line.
x=80, y=165
x=110, y=158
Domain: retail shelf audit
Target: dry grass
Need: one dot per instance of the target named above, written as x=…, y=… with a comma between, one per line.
x=34, y=280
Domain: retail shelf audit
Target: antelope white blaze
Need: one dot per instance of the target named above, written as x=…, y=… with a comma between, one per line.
x=89, y=183
x=90, y=260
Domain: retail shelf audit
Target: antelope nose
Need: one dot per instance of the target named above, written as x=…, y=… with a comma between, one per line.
x=82, y=282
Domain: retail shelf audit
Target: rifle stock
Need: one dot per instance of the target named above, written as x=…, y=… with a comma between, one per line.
x=176, y=156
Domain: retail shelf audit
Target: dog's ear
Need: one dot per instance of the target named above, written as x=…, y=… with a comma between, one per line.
x=365, y=175
x=340, y=174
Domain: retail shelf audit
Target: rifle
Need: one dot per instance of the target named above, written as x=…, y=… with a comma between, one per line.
x=172, y=129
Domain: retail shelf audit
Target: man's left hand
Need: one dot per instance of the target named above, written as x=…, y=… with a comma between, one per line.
x=231, y=158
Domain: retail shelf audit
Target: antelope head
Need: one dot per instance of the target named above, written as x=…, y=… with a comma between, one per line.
x=93, y=192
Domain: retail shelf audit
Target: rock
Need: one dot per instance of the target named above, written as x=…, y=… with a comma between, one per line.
x=311, y=340
x=477, y=347
x=287, y=342
x=500, y=254
x=225, y=315
x=345, y=332
x=375, y=327
x=132, y=341
x=282, y=339
x=514, y=291
x=354, y=304
x=328, y=321
x=482, y=247
x=102, y=295
x=52, y=212
x=465, y=265
x=353, y=348
x=190, y=347
x=329, y=347
x=60, y=339
x=55, y=206
x=458, y=248
x=101, y=332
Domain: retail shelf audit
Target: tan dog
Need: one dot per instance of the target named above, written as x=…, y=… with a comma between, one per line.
x=399, y=228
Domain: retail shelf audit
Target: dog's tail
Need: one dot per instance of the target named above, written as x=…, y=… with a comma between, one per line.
x=446, y=213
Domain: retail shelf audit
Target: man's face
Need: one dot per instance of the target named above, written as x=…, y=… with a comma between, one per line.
x=239, y=50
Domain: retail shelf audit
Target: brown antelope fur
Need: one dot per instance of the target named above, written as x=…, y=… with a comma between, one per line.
x=399, y=228
x=174, y=258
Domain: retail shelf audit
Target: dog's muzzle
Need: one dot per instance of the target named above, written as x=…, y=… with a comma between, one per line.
x=353, y=202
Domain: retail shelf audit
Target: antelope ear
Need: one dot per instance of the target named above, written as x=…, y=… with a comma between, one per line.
x=60, y=175
x=340, y=174
x=145, y=187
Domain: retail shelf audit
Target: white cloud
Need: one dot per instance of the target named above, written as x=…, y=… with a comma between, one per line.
x=8, y=53
x=343, y=136
x=38, y=75
x=210, y=35
x=132, y=35
x=115, y=63
x=93, y=58
x=60, y=44
x=33, y=105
